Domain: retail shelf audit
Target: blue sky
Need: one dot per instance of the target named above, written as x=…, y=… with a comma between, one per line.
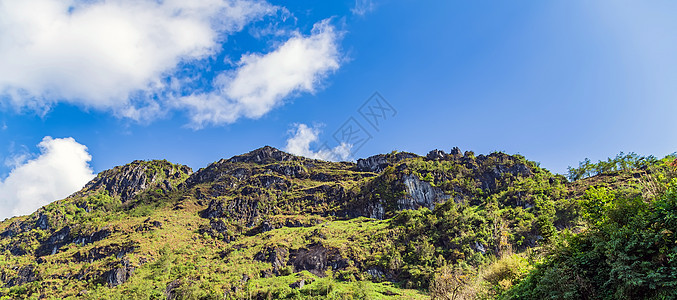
x=554, y=81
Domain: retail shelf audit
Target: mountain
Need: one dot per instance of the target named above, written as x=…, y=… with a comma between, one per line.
x=268, y=225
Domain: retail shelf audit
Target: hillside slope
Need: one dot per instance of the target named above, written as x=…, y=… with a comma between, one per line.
x=268, y=224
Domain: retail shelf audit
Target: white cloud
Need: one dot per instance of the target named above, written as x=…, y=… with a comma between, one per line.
x=108, y=54
x=61, y=169
x=303, y=136
x=362, y=7
x=262, y=81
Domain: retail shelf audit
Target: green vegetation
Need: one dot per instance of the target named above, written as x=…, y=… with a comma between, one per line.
x=622, y=162
x=627, y=252
x=269, y=225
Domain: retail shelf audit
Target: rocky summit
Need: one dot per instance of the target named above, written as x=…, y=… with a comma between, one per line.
x=271, y=225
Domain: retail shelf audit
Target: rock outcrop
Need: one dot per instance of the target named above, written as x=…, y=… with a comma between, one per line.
x=25, y=274
x=378, y=163
x=420, y=194
x=277, y=257
x=129, y=180
x=64, y=237
x=119, y=275
x=436, y=155
x=316, y=259
x=265, y=155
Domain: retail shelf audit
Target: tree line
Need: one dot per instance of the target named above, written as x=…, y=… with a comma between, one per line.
x=622, y=162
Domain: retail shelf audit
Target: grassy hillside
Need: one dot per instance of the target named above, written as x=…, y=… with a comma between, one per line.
x=270, y=225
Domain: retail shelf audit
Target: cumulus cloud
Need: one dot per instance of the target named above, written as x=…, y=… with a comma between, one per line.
x=61, y=169
x=262, y=81
x=109, y=54
x=303, y=136
x=131, y=56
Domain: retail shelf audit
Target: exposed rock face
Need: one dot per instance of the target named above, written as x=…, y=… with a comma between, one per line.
x=43, y=222
x=289, y=171
x=240, y=208
x=420, y=194
x=269, y=181
x=11, y=230
x=39, y=221
x=220, y=171
x=488, y=177
x=119, y=275
x=170, y=291
x=375, y=211
x=91, y=238
x=54, y=242
x=376, y=274
x=265, y=155
x=372, y=164
x=98, y=253
x=379, y=162
x=330, y=193
x=298, y=284
x=479, y=247
x=316, y=258
x=277, y=257
x=129, y=180
x=25, y=274
x=63, y=237
x=436, y=155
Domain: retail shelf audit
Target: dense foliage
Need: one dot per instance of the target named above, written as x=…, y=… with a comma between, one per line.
x=629, y=250
x=622, y=162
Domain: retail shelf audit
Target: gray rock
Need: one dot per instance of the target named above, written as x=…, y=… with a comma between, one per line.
x=43, y=222
x=297, y=285
x=119, y=275
x=265, y=155
x=376, y=274
x=63, y=237
x=378, y=163
x=479, y=247
x=376, y=211
x=372, y=164
x=170, y=291
x=420, y=194
x=266, y=226
x=289, y=171
x=129, y=180
x=24, y=275
x=277, y=257
x=316, y=259
x=436, y=155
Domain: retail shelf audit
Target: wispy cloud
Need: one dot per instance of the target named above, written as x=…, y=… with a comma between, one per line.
x=302, y=136
x=363, y=7
x=262, y=81
x=61, y=168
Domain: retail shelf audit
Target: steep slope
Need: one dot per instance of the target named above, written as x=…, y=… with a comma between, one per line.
x=628, y=248
x=271, y=224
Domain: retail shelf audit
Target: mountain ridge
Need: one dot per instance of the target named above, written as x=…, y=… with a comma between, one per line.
x=262, y=222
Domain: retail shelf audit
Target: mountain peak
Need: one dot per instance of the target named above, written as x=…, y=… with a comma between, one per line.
x=128, y=180
x=265, y=155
